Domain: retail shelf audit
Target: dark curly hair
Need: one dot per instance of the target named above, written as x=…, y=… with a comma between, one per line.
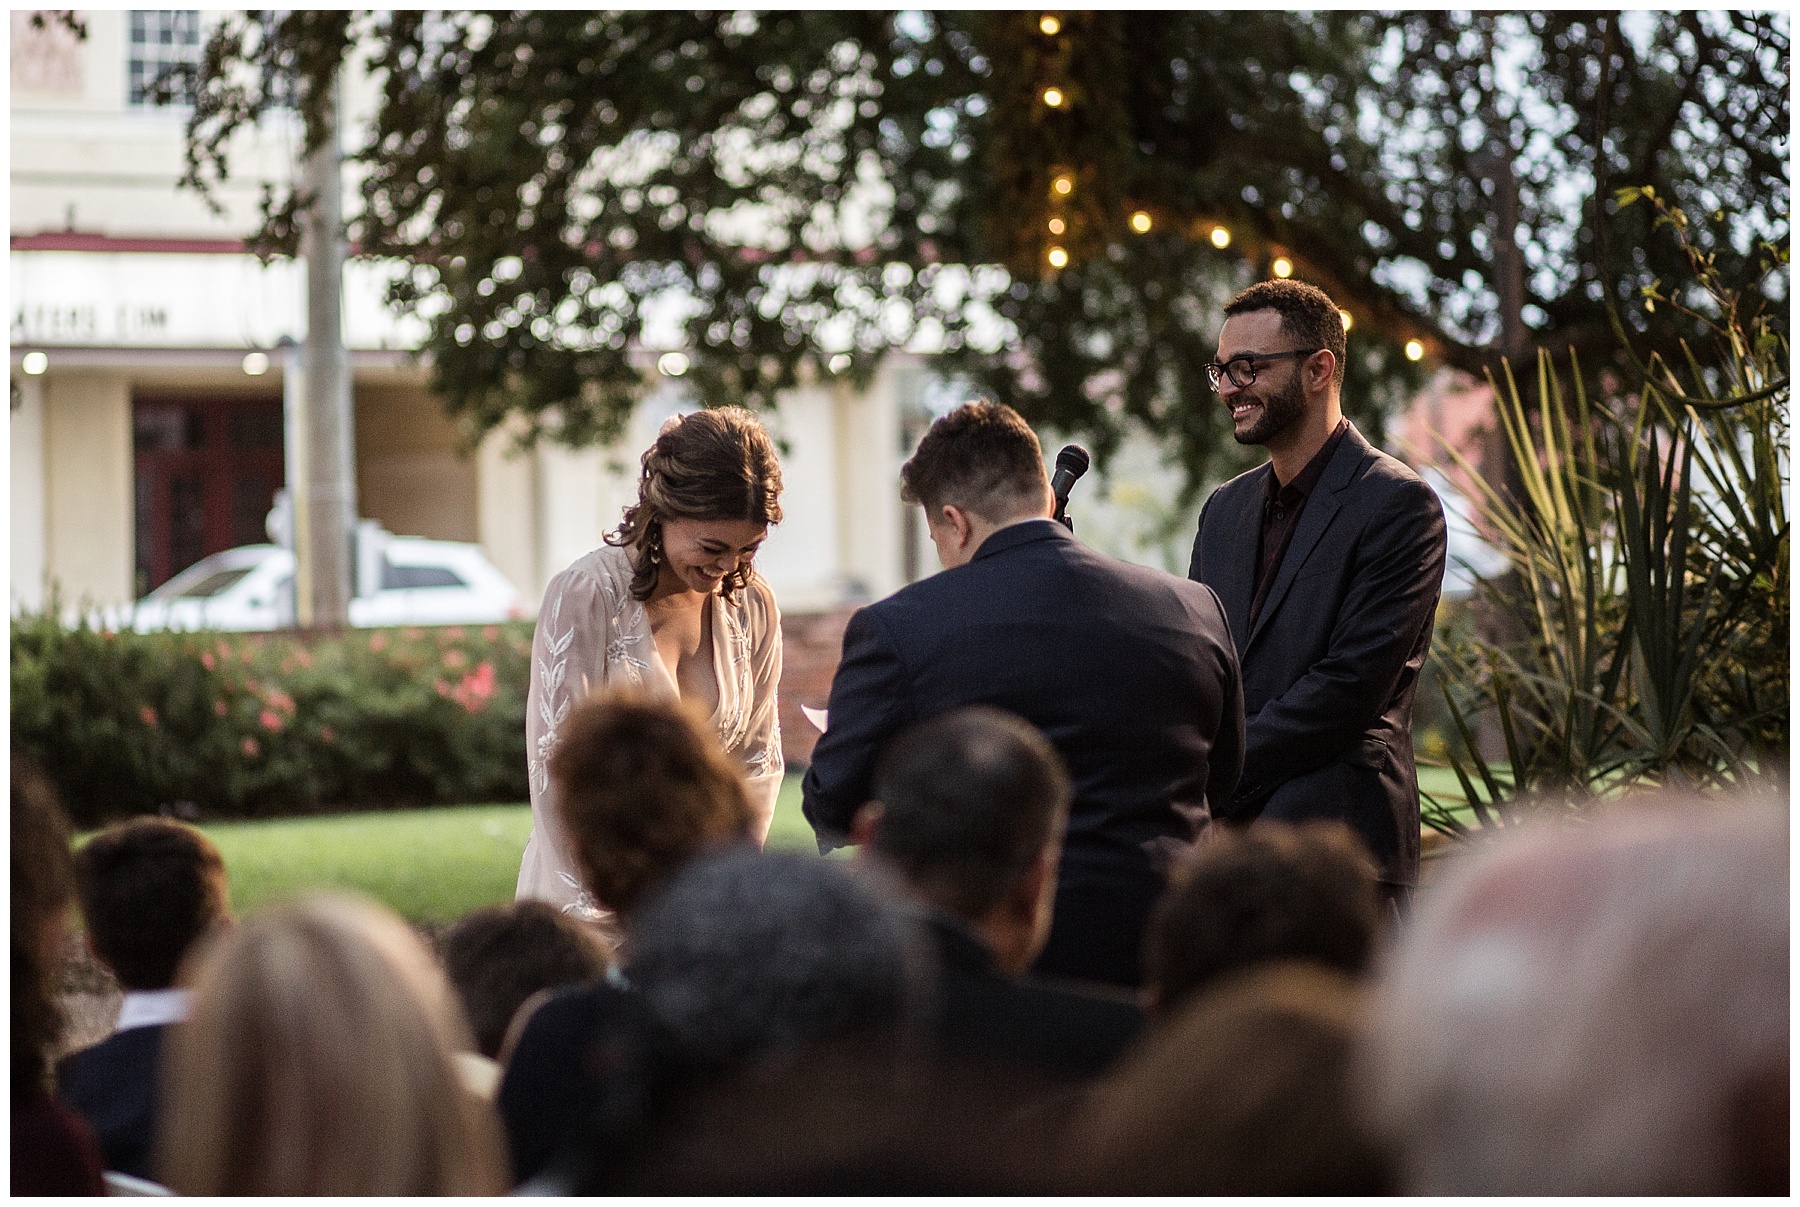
x=710, y=465
x=1307, y=313
x=43, y=883
x=643, y=788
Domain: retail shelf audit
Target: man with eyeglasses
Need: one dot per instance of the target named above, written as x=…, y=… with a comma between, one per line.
x=1329, y=560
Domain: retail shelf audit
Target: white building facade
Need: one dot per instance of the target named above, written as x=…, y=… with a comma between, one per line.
x=148, y=349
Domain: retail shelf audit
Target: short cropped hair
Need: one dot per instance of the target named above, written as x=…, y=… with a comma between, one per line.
x=982, y=457
x=643, y=788
x=744, y=954
x=969, y=800
x=1307, y=313
x=149, y=888
x=497, y=958
x=1272, y=892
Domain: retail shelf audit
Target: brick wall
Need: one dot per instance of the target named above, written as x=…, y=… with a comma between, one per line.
x=810, y=645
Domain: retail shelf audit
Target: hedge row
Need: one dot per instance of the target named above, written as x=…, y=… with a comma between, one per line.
x=256, y=725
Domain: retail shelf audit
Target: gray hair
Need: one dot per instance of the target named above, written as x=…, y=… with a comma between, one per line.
x=1582, y=1012
x=743, y=953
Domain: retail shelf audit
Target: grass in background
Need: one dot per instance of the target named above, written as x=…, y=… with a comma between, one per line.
x=435, y=865
x=429, y=865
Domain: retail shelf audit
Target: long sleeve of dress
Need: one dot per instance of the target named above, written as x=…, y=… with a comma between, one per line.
x=568, y=659
x=761, y=748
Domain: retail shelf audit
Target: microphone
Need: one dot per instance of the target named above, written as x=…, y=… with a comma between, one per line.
x=1071, y=463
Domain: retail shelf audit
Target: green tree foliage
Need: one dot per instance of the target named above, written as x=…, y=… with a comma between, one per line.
x=812, y=189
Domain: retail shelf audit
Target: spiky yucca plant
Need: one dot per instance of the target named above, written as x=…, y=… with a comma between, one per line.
x=1648, y=557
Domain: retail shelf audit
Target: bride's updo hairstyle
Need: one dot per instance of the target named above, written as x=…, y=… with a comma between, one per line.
x=710, y=465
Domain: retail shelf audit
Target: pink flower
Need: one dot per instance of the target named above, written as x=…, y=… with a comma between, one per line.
x=148, y=716
x=304, y=657
x=490, y=632
x=477, y=688
x=250, y=748
x=219, y=708
x=206, y=660
x=270, y=721
x=327, y=734
x=453, y=633
x=378, y=642
x=455, y=659
x=280, y=701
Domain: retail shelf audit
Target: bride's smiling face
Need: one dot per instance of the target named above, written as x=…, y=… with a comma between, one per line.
x=700, y=553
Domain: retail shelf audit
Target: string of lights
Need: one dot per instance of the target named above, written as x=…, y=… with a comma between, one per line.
x=1056, y=95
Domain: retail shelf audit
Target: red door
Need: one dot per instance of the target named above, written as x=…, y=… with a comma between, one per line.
x=207, y=473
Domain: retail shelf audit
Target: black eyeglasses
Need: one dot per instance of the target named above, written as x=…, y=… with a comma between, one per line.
x=1241, y=369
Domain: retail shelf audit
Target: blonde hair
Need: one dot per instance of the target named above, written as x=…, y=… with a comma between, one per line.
x=318, y=1061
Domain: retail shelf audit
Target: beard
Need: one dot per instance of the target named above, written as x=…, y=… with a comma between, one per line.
x=1279, y=413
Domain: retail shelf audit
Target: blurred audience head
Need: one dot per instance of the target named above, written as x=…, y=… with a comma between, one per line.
x=744, y=954
x=318, y=1060
x=149, y=888
x=1270, y=892
x=643, y=788
x=1247, y=1089
x=43, y=888
x=1601, y=1010
x=968, y=810
x=498, y=958
x=853, y=1118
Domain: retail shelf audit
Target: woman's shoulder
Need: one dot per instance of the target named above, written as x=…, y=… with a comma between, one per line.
x=606, y=568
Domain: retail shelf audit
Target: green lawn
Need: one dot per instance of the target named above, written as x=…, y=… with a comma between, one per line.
x=430, y=865
x=435, y=865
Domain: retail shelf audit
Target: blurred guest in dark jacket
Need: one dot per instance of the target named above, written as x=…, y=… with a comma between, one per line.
x=149, y=888
x=968, y=816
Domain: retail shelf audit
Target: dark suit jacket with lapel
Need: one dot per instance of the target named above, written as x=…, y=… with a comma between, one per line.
x=113, y=1085
x=1332, y=661
x=1129, y=673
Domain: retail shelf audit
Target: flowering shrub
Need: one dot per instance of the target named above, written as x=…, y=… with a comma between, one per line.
x=264, y=724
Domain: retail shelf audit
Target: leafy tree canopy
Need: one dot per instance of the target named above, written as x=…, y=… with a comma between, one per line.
x=799, y=192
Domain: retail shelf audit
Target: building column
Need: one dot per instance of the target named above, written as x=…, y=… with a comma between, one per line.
x=27, y=435
x=90, y=523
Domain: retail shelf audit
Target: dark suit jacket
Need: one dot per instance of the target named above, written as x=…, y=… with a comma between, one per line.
x=1129, y=673
x=1332, y=662
x=113, y=1086
x=988, y=1017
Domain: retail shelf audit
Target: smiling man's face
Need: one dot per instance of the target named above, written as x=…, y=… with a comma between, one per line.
x=1276, y=400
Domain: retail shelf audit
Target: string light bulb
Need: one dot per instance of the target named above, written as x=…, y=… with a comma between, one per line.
x=1282, y=267
x=1221, y=238
x=1140, y=222
x=1049, y=25
x=1058, y=258
x=1345, y=315
x=1058, y=226
x=1415, y=350
x=1063, y=185
x=1053, y=97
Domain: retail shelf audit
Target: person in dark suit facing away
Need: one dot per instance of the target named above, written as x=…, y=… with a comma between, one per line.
x=1129, y=672
x=967, y=819
x=149, y=889
x=1329, y=560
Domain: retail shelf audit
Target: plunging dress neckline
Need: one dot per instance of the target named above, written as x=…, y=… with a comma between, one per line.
x=592, y=633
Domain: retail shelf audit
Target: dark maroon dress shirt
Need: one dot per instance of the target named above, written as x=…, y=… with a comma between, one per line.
x=1281, y=515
